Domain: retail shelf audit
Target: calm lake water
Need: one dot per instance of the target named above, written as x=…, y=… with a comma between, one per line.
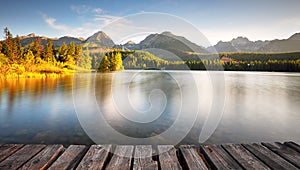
x=131, y=105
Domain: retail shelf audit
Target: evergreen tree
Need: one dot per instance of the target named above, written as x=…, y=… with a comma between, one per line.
x=116, y=62
x=71, y=49
x=104, y=65
x=63, y=52
x=78, y=50
x=7, y=44
x=87, y=60
x=37, y=49
x=17, y=50
x=49, y=52
x=29, y=57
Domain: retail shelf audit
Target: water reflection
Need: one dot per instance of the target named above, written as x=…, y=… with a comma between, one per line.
x=39, y=111
x=138, y=101
x=258, y=107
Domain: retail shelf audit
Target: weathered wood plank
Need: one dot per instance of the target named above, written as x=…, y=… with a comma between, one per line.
x=287, y=153
x=268, y=157
x=8, y=149
x=192, y=157
x=121, y=158
x=3, y=147
x=95, y=158
x=45, y=158
x=244, y=157
x=21, y=156
x=219, y=158
x=143, y=158
x=293, y=145
x=69, y=158
x=167, y=157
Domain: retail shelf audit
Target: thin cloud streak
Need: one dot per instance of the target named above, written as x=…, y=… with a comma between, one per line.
x=83, y=9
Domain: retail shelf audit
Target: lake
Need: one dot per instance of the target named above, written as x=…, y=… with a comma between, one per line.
x=151, y=107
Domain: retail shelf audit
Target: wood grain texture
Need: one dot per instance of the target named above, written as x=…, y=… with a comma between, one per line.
x=167, y=157
x=293, y=145
x=244, y=157
x=69, y=158
x=21, y=156
x=143, y=158
x=8, y=149
x=95, y=157
x=121, y=158
x=219, y=158
x=286, y=152
x=45, y=158
x=268, y=157
x=192, y=157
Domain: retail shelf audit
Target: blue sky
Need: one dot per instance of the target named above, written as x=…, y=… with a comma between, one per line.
x=216, y=19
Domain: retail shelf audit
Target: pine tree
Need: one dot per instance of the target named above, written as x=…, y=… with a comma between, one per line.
x=7, y=44
x=72, y=49
x=37, y=49
x=116, y=62
x=63, y=52
x=49, y=52
x=29, y=57
x=17, y=50
x=104, y=65
x=87, y=60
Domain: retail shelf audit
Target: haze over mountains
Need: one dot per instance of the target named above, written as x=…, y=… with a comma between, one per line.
x=178, y=45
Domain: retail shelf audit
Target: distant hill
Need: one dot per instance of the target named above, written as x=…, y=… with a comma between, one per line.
x=222, y=47
x=100, y=39
x=242, y=44
x=173, y=44
x=168, y=46
x=239, y=44
x=26, y=40
x=291, y=44
x=170, y=42
x=130, y=45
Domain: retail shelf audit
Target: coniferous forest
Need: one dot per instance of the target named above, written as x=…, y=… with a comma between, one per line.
x=37, y=60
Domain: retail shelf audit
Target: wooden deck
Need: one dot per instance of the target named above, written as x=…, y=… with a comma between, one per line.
x=229, y=156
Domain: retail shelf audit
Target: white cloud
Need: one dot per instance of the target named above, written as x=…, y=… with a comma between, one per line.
x=85, y=30
x=116, y=27
x=106, y=19
x=83, y=9
x=51, y=22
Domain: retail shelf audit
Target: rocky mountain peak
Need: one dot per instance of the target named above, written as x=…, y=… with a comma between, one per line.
x=240, y=41
x=100, y=38
x=295, y=37
x=130, y=42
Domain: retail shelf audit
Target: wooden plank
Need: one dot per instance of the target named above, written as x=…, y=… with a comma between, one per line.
x=244, y=157
x=167, y=157
x=192, y=157
x=287, y=153
x=121, y=158
x=219, y=158
x=21, y=156
x=95, y=158
x=8, y=149
x=69, y=158
x=45, y=158
x=3, y=147
x=293, y=145
x=268, y=157
x=143, y=158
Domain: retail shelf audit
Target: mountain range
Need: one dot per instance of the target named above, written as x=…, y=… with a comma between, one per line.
x=166, y=42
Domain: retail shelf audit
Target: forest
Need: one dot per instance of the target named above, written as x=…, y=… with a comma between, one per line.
x=36, y=60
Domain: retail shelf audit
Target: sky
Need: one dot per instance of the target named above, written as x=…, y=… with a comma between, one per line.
x=215, y=19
